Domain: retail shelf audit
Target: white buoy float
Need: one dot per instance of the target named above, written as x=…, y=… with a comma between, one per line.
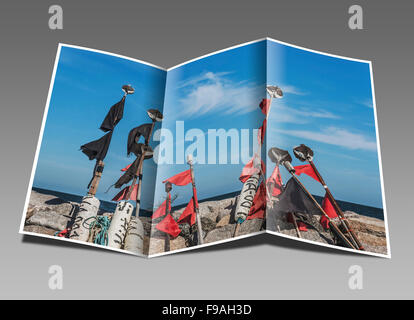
x=246, y=197
x=119, y=224
x=134, y=239
x=87, y=209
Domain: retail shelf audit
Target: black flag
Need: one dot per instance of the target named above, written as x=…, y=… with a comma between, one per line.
x=135, y=134
x=114, y=115
x=133, y=168
x=97, y=149
x=128, y=175
x=294, y=199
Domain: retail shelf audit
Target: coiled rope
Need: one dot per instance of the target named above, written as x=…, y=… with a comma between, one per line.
x=102, y=223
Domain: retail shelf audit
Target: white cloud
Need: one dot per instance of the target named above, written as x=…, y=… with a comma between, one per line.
x=335, y=136
x=212, y=92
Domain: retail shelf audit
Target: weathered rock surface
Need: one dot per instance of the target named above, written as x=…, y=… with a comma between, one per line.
x=370, y=231
x=222, y=233
x=157, y=244
x=223, y=221
x=48, y=214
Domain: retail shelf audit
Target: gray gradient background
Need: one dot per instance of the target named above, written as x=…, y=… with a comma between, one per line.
x=167, y=33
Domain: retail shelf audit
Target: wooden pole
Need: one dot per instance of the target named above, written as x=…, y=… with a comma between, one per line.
x=138, y=199
x=168, y=187
x=96, y=178
x=295, y=224
x=100, y=164
x=139, y=168
x=200, y=235
x=331, y=224
x=245, y=202
x=342, y=218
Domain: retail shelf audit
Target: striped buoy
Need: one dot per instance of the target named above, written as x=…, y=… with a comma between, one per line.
x=134, y=239
x=87, y=209
x=246, y=197
x=119, y=224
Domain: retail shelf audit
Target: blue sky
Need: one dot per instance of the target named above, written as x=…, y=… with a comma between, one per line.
x=86, y=85
x=220, y=91
x=327, y=105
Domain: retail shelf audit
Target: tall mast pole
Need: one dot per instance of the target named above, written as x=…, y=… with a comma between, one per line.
x=156, y=116
x=138, y=173
x=283, y=157
x=168, y=188
x=304, y=153
x=250, y=186
x=342, y=218
x=90, y=204
x=200, y=235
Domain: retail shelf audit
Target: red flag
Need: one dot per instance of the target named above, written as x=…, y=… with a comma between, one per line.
x=308, y=170
x=257, y=210
x=168, y=225
x=189, y=214
x=127, y=167
x=262, y=132
x=249, y=170
x=161, y=209
x=276, y=180
x=123, y=193
x=180, y=179
x=265, y=105
x=330, y=211
x=301, y=225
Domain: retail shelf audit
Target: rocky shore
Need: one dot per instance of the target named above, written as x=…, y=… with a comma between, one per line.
x=48, y=214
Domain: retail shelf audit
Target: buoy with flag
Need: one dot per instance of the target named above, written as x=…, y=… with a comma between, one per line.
x=254, y=171
x=131, y=238
x=97, y=150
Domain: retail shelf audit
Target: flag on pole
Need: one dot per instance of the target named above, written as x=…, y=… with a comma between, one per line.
x=308, y=170
x=97, y=149
x=249, y=169
x=294, y=199
x=330, y=211
x=168, y=225
x=276, y=179
x=123, y=193
x=161, y=209
x=257, y=210
x=134, y=135
x=127, y=167
x=180, y=179
x=189, y=214
x=114, y=115
x=264, y=106
x=129, y=174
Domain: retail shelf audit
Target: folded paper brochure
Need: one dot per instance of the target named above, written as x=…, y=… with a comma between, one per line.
x=260, y=137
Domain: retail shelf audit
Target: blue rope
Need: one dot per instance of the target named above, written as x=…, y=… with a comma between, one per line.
x=103, y=223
